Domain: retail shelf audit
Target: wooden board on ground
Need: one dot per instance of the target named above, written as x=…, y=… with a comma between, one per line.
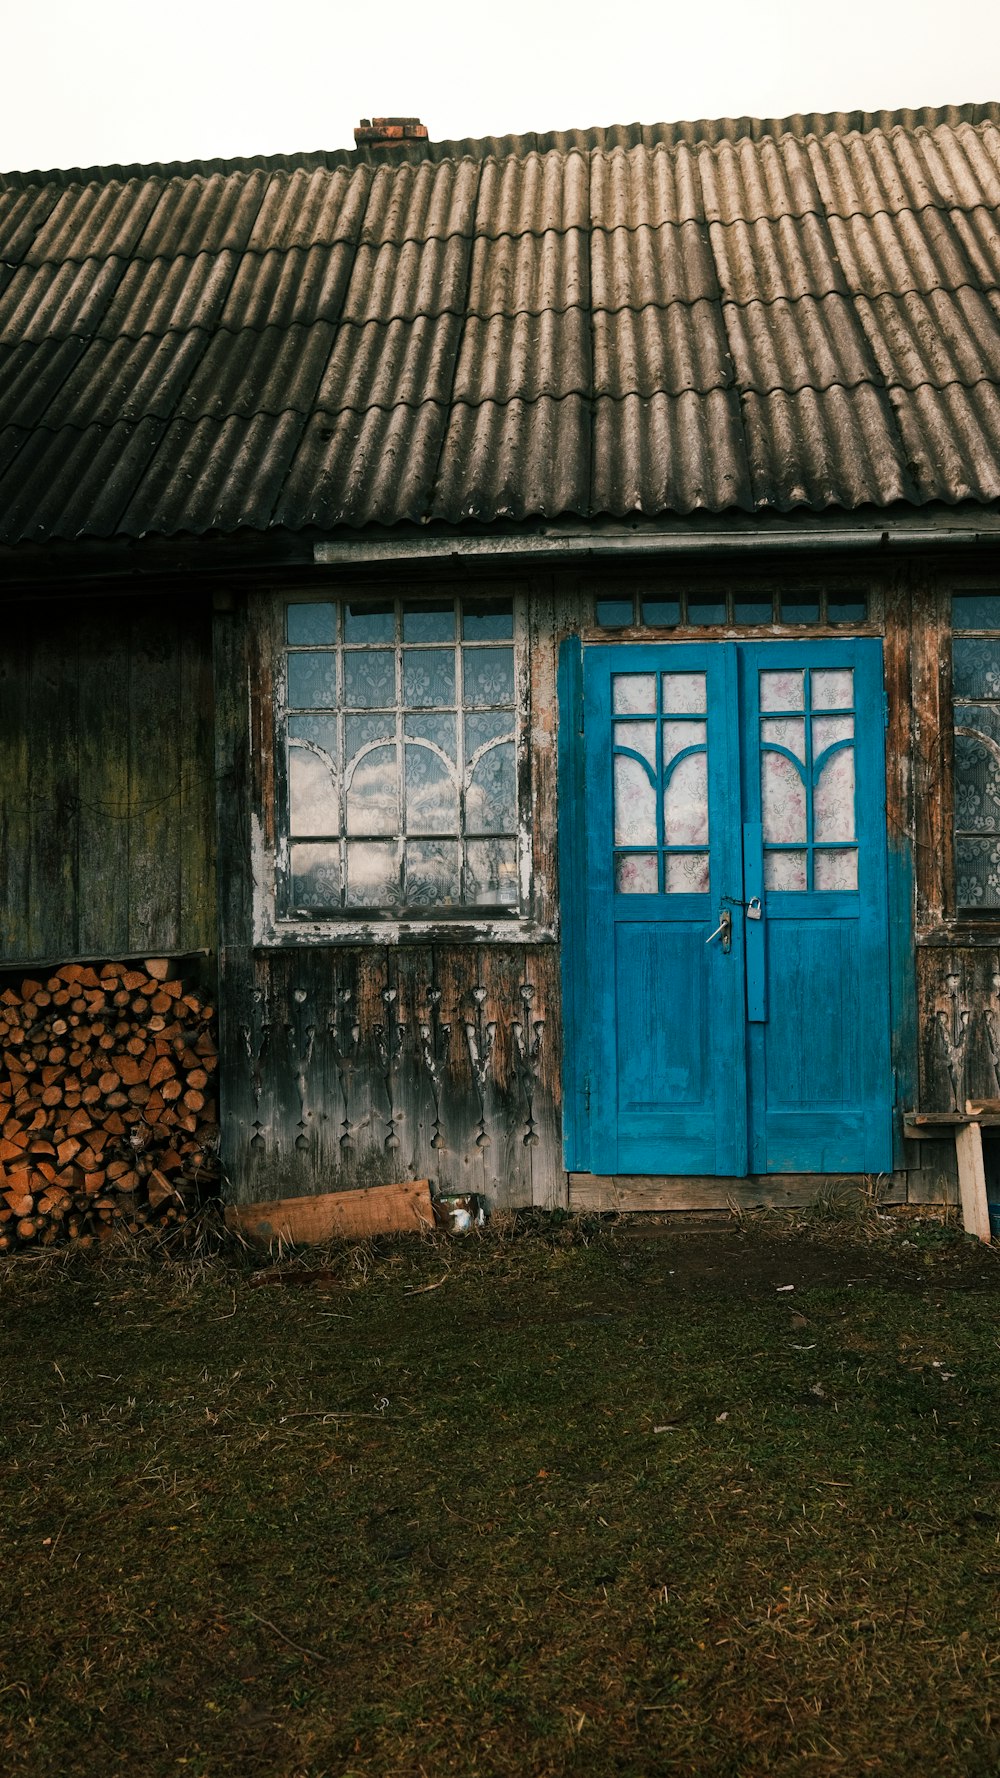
x=972, y=1181
x=369, y=1210
x=597, y=1192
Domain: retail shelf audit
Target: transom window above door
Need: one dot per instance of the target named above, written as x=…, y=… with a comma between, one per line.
x=399, y=753
x=696, y=608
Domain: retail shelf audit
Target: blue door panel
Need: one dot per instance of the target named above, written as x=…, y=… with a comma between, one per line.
x=812, y=988
x=710, y=780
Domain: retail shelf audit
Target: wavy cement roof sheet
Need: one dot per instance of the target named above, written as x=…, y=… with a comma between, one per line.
x=644, y=320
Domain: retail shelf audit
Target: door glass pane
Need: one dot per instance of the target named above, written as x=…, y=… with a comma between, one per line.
x=633, y=694
x=785, y=870
x=832, y=688
x=835, y=870
x=635, y=803
x=833, y=799
x=677, y=736
x=686, y=873
x=783, y=800
x=639, y=737
x=685, y=802
x=635, y=873
x=786, y=731
x=827, y=729
x=781, y=690
x=684, y=693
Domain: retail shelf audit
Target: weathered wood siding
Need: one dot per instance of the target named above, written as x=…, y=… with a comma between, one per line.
x=107, y=808
x=351, y=1067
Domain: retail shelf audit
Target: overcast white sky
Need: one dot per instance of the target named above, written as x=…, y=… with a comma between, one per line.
x=115, y=80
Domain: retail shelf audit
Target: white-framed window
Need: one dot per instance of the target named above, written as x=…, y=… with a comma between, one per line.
x=398, y=759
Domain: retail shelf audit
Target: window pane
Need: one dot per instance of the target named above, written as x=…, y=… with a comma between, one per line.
x=491, y=872
x=976, y=669
x=428, y=676
x=799, y=608
x=429, y=623
x=431, y=791
x=369, y=623
x=312, y=623
x=433, y=870
x=661, y=611
x=977, y=868
x=613, y=614
x=372, y=874
x=369, y=679
x=707, y=611
x=312, y=681
x=977, y=768
x=373, y=792
x=753, y=611
x=488, y=675
x=491, y=798
x=975, y=611
x=315, y=877
x=487, y=620
x=847, y=610
x=312, y=791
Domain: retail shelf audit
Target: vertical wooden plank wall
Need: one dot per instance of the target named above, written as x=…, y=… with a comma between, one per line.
x=107, y=805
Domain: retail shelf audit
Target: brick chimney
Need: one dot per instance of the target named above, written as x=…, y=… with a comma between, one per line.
x=389, y=132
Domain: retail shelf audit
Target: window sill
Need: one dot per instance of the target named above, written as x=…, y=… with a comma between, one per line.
x=493, y=930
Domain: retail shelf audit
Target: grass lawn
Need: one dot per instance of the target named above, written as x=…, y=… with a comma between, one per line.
x=554, y=1501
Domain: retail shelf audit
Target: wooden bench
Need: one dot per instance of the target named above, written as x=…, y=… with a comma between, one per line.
x=967, y=1127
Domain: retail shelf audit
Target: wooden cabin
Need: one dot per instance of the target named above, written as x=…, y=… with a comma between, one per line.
x=520, y=620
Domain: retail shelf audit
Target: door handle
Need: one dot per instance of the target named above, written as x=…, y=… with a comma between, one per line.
x=724, y=930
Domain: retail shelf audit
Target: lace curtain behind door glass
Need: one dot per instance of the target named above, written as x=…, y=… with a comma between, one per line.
x=660, y=783
x=807, y=784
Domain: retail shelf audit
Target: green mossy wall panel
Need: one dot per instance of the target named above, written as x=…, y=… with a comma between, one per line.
x=107, y=799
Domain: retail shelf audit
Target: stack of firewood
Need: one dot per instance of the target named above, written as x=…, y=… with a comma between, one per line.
x=107, y=1113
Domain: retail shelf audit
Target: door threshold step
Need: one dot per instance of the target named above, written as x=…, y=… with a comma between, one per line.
x=619, y=1191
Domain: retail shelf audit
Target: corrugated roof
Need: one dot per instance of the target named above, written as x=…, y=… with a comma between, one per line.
x=642, y=320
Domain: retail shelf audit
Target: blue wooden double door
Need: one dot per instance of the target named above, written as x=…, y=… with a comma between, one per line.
x=725, y=913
